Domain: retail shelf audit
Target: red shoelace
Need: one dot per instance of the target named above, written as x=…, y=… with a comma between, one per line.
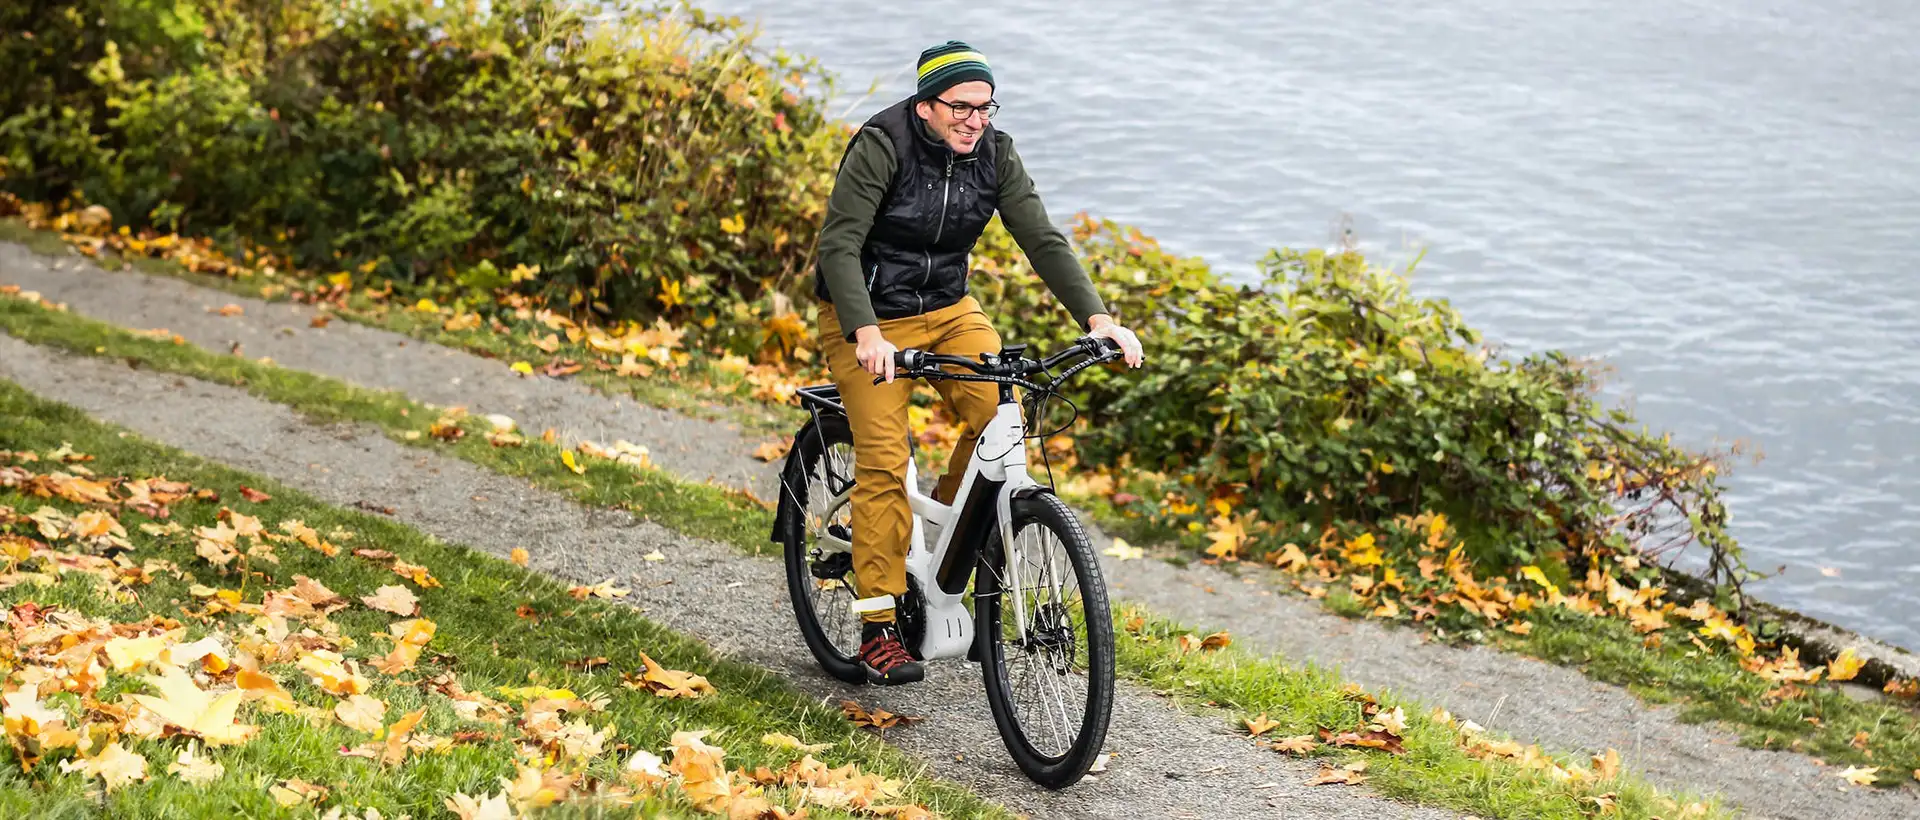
x=884, y=652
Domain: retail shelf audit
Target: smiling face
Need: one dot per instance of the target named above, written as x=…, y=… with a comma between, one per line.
x=961, y=133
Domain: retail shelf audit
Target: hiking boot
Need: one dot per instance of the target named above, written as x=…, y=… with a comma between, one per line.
x=884, y=657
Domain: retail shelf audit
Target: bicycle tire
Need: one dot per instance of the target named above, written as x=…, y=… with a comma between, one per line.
x=807, y=481
x=1066, y=767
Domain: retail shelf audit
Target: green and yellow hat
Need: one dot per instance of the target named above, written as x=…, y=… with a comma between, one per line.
x=947, y=65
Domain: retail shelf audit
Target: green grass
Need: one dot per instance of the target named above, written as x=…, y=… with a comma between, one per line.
x=1302, y=699
x=700, y=510
x=1822, y=721
x=671, y=394
x=486, y=643
x=712, y=513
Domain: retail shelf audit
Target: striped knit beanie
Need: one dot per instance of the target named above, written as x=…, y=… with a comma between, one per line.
x=947, y=65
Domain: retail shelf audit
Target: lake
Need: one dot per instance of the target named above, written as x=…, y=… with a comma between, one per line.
x=1720, y=198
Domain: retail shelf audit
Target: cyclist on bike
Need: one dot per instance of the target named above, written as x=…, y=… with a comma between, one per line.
x=916, y=187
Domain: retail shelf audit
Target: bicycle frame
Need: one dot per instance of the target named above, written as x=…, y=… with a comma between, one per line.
x=995, y=476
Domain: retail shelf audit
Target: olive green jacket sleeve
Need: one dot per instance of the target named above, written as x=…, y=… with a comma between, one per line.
x=857, y=191
x=863, y=181
x=1045, y=246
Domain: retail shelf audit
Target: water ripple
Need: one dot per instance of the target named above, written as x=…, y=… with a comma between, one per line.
x=1720, y=197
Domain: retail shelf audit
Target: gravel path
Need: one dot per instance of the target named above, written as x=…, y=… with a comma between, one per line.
x=1167, y=763
x=1533, y=700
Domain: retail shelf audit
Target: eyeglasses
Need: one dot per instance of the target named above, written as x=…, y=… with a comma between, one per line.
x=963, y=111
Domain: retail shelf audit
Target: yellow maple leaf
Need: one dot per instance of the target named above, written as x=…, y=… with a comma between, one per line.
x=415, y=573
x=329, y=672
x=1607, y=766
x=361, y=712
x=604, y=589
x=780, y=740
x=192, y=768
x=261, y=686
x=393, y=598
x=566, y=457
x=670, y=683
x=467, y=807
x=703, y=776
x=1860, y=776
x=114, y=765
x=519, y=556
x=128, y=654
x=1125, y=551
x=522, y=368
x=183, y=704
x=1260, y=725
x=1226, y=535
x=1845, y=666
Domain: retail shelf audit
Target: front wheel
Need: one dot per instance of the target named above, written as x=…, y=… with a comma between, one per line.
x=1048, y=640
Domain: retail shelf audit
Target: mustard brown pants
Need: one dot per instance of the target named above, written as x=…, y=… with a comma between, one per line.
x=877, y=413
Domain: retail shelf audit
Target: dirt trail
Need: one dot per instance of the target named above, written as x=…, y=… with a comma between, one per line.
x=1533, y=700
x=1167, y=763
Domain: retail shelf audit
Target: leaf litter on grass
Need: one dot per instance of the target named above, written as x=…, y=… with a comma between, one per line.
x=194, y=699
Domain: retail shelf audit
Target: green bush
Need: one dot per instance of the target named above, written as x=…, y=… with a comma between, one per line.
x=662, y=165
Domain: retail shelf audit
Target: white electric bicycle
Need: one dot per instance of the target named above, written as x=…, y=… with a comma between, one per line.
x=1038, y=623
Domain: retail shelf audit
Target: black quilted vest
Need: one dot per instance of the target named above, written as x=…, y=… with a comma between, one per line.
x=915, y=256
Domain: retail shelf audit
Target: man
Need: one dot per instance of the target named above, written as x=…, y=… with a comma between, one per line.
x=916, y=187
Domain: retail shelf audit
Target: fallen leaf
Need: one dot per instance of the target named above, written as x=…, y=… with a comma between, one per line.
x=1260, y=725
x=393, y=598
x=183, y=704
x=231, y=309
x=770, y=450
x=261, y=686
x=294, y=792
x=415, y=573
x=876, y=719
x=1366, y=739
x=189, y=766
x=114, y=765
x=253, y=495
x=1845, y=666
x=1607, y=766
x=1124, y=551
x=329, y=672
x=1349, y=775
x=519, y=556
x=361, y=713
x=1299, y=745
x=786, y=741
x=669, y=683
x=320, y=320
x=467, y=807
x=1859, y=776
x=566, y=457
x=1830, y=572
x=604, y=589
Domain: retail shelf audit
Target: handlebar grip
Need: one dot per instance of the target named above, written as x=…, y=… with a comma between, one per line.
x=1105, y=345
x=906, y=359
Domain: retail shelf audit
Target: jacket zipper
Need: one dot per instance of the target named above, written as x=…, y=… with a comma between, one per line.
x=946, y=189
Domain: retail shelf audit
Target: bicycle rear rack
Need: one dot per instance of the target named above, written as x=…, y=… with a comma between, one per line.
x=821, y=397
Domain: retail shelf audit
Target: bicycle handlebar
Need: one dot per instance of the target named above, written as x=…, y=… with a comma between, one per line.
x=992, y=367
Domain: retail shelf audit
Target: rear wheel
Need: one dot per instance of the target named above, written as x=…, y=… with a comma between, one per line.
x=1048, y=641
x=820, y=573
